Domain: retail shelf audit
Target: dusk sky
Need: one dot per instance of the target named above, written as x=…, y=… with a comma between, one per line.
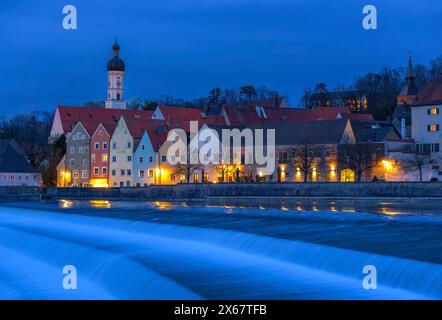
x=185, y=48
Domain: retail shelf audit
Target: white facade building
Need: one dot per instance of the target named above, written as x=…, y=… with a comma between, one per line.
x=426, y=125
x=121, y=156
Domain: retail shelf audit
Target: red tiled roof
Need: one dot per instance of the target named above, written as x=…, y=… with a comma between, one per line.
x=244, y=116
x=431, y=93
x=190, y=114
x=92, y=117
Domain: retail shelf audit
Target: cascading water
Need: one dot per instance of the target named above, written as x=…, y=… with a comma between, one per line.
x=118, y=258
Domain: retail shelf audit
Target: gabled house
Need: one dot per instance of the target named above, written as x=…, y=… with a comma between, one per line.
x=146, y=156
x=100, y=152
x=121, y=156
x=78, y=156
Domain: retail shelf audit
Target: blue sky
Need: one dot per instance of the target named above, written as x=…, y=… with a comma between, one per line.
x=184, y=48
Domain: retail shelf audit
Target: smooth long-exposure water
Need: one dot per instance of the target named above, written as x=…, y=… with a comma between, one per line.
x=139, y=250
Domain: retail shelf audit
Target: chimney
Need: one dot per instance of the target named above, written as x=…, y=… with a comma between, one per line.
x=403, y=129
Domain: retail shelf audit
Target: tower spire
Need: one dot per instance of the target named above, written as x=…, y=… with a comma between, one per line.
x=116, y=47
x=409, y=91
x=410, y=73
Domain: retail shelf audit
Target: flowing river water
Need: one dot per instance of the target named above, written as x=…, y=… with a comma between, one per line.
x=310, y=249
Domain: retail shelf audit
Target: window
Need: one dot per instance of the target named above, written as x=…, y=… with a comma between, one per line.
x=104, y=170
x=206, y=178
x=72, y=162
x=86, y=150
x=196, y=177
x=100, y=133
x=114, y=172
x=84, y=162
x=150, y=159
x=114, y=146
x=140, y=159
x=80, y=150
x=129, y=172
x=433, y=111
x=114, y=159
x=172, y=177
x=122, y=172
x=129, y=158
x=141, y=173
x=96, y=170
x=12, y=178
x=84, y=174
x=72, y=150
x=129, y=145
x=104, y=157
x=105, y=145
x=76, y=174
x=97, y=145
x=93, y=157
x=150, y=173
x=433, y=127
x=163, y=158
x=142, y=147
x=20, y=178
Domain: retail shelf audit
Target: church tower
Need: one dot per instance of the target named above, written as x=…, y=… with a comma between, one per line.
x=115, y=80
x=409, y=91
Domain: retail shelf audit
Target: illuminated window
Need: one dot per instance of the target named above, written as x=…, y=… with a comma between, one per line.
x=104, y=157
x=433, y=127
x=433, y=111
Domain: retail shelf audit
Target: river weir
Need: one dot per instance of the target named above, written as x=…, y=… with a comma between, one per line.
x=162, y=250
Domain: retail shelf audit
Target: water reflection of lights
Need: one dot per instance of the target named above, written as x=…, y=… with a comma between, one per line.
x=100, y=204
x=389, y=212
x=284, y=208
x=333, y=208
x=348, y=210
x=163, y=205
x=65, y=203
x=261, y=206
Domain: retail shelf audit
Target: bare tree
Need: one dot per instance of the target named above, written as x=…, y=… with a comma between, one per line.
x=186, y=170
x=358, y=157
x=417, y=161
x=223, y=170
x=304, y=157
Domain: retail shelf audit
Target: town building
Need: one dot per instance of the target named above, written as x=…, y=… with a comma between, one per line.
x=426, y=122
x=100, y=150
x=15, y=170
x=356, y=101
x=78, y=156
x=121, y=156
